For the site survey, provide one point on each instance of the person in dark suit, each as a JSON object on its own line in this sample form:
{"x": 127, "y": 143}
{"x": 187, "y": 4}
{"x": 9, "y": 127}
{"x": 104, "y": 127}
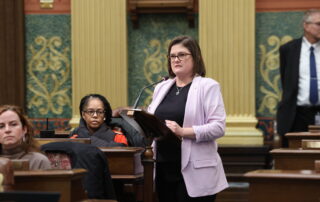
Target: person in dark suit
{"x": 300, "y": 103}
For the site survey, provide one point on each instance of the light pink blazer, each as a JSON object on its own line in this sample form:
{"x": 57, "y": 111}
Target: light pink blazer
{"x": 201, "y": 164}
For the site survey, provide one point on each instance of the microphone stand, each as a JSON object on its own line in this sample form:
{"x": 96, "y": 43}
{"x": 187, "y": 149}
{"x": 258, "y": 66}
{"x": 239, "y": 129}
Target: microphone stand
{"x": 140, "y": 93}
{"x": 47, "y": 133}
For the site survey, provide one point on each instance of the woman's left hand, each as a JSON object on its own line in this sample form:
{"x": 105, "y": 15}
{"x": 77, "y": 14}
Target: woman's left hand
{"x": 175, "y": 128}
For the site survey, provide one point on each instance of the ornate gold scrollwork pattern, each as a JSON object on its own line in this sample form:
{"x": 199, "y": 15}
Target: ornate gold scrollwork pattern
{"x": 154, "y": 64}
{"x": 269, "y": 71}
{"x": 49, "y": 70}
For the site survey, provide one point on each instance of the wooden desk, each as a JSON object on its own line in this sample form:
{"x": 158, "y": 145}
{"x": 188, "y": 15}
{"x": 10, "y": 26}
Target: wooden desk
{"x": 311, "y": 144}
{"x": 239, "y": 159}
{"x": 283, "y": 186}
{"x": 296, "y": 138}
{"x": 124, "y": 162}
{"x": 294, "y": 159}
{"x": 67, "y": 182}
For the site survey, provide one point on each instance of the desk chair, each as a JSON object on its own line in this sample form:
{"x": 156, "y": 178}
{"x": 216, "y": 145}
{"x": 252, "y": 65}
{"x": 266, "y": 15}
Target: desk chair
{"x": 97, "y": 182}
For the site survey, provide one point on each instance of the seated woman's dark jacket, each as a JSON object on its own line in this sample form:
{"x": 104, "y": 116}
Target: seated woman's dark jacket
{"x": 97, "y": 181}
{"x": 103, "y": 137}
{"x": 135, "y": 139}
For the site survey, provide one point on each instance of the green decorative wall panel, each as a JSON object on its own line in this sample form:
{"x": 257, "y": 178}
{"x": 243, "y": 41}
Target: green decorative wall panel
{"x": 48, "y": 66}
{"x": 147, "y": 50}
{"x": 272, "y": 30}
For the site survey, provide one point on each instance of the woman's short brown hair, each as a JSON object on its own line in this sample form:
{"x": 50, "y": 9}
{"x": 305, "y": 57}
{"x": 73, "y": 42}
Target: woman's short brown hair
{"x": 29, "y": 143}
{"x": 192, "y": 45}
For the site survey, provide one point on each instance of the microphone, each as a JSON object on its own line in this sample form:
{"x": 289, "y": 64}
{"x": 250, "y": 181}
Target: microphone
{"x": 47, "y": 133}
{"x": 138, "y": 98}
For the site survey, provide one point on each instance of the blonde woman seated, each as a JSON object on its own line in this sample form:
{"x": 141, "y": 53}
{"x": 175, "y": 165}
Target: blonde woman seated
{"x": 16, "y": 138}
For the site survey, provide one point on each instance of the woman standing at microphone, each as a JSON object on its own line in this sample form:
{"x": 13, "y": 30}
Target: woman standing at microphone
{"x": 188, "y": 166}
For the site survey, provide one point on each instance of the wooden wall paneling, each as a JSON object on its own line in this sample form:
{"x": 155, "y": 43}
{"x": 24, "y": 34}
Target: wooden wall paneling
{"x": 12, "y": 74}
{"x": 188, "y": 7}
{"x": 59, "y": 7}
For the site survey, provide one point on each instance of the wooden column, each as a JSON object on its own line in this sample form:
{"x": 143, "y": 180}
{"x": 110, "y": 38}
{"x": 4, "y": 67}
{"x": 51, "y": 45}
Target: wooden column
{"x": 227, "y": 39}
{"x": 99, "y": 51}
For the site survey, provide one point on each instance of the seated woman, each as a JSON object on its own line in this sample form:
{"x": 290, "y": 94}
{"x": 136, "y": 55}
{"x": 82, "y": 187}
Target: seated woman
{"x": 96, "y": 115}
{"x": 16, "y": 138}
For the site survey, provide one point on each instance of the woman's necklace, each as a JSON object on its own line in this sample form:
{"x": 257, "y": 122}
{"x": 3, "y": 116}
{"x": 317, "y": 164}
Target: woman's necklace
{"x": 179, "y": 90}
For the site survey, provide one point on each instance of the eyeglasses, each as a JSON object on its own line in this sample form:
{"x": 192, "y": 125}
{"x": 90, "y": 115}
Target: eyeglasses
{"x": 91, "y": 112}
{"x": 180, "y": 56}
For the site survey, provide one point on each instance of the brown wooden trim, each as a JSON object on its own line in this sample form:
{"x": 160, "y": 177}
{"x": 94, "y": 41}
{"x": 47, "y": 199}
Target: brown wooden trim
{"x": 59, "y": 7}
{"x": 20, "y": 37}
{"x": 285, "y": 5}
{"x": 137, "y": 7}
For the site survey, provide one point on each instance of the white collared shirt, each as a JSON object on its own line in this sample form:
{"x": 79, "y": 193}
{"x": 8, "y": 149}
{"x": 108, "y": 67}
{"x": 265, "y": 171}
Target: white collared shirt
{"x": 304, "y": 72}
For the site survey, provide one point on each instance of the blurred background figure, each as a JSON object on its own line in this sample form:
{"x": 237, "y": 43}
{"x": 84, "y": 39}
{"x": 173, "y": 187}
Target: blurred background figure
{"x": 299, "y": 70}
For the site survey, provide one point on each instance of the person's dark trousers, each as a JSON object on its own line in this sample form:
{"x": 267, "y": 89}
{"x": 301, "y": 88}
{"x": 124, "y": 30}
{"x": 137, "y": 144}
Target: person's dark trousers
{"x": 169, "y": 190}
{"x": 305, "y": 116}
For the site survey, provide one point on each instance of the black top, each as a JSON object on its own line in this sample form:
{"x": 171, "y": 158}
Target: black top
{"x": 172, "y": 108}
